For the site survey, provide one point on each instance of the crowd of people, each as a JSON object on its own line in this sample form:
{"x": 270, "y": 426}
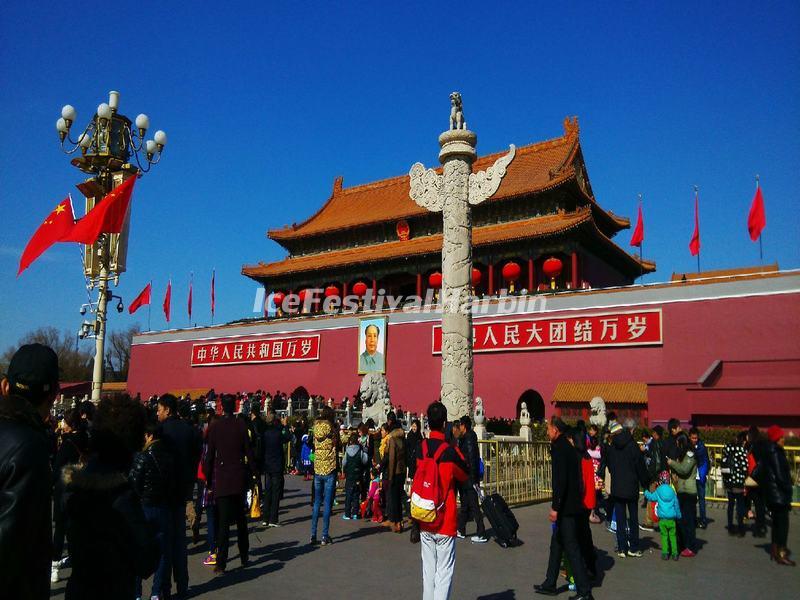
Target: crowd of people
{"x": 599, "y": 474}
{"x": 119, "y": 486}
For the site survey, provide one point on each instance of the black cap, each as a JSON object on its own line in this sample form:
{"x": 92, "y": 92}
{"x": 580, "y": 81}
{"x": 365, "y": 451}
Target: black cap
{"x": 33, "y": 370}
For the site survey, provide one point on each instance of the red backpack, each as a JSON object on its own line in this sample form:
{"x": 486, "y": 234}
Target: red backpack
{"x": 427, "y": 496}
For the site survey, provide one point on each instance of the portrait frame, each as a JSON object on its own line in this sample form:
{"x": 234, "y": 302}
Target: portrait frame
{"x": 361, "y": 345}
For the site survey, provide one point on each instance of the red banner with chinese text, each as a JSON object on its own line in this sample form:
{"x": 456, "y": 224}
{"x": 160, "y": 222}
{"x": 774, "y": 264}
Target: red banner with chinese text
{"x": 287, "y": 349}
{"x": 637, "y": 328}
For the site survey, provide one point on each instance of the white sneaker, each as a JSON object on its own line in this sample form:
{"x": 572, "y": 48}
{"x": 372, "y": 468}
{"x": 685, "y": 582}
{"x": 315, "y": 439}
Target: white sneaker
{"x": 54, "y": 574}
{"x": 460, "y": 535}
{"x": 479, "y": 539}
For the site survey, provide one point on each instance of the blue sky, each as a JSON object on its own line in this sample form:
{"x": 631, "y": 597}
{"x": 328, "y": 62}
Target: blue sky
{"x": 265, "y": 103}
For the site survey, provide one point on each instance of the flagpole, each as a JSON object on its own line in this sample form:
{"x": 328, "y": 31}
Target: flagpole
{"x": 149, "y": 304}
{"x": 641, "y": 251}
{"x": 697, "y": 208}
{"x": 761, "y": 233}
{"x": 213, "y": 292}
{"x": 191, "y": 295}
{"x": 80, "y": 251}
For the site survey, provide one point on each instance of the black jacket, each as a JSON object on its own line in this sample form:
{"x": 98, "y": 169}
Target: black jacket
{"x": 110, "y": 542}
{"x": 626, "y": 464}
{"x": 273, "y": 457}
{"x": 25, "y": 484}
{"x": 468, "y": 444}
{"x": 256, "y": 429}
{"x": 774, "y": 477}
{"x": 655, "y": 459}
{"x": 567, "y": 478}
{"x": 413, "y": 439}
{"x": 73, "y": 448}
{"x": 669, "y": 450}
{"x": 186, "y": 444}
{"x": 153, "y": 475}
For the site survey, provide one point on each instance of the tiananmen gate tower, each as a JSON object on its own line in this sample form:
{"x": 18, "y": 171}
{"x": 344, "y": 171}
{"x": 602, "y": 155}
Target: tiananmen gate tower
{"x": 558, "y": 318}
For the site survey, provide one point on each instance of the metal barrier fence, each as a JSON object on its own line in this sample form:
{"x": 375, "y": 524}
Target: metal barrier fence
{"x": 518, "y": 471}
{"x": 715, "y": 489}
{"x": 521, "y": 471}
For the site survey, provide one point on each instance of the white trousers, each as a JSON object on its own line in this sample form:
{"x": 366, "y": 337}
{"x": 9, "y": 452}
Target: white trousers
{"x": 438, "y": 564}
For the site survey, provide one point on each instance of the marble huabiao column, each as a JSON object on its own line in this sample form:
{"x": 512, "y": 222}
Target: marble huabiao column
{"x": 452, "y": 193}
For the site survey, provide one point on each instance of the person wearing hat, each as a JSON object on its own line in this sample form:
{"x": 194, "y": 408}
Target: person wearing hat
{"x": 28, "y": 391}
{"x": 625, "y": 462}
{"x": 775, "y": 481}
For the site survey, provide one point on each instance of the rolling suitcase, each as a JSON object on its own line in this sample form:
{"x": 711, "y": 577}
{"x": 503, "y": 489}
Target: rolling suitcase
{"x": 501, "y": 519}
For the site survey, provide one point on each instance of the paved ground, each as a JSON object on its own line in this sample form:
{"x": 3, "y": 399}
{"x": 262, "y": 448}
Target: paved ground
{"x": 367, "y": 561}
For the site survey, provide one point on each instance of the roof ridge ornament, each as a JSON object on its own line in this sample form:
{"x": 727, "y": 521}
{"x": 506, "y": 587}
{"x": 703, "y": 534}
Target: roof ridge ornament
{"x": 571, "y": 125}
{"x": 337, "y": 184}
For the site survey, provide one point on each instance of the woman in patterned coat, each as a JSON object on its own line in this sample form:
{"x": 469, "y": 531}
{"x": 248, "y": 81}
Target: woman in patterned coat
{"x": 734, "y": 472}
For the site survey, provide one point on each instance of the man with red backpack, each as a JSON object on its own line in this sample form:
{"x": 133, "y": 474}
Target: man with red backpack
{"x": 440, "y": 467}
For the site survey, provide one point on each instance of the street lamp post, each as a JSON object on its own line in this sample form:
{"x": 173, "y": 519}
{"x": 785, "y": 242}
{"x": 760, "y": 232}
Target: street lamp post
{"x": 107, "y": 144}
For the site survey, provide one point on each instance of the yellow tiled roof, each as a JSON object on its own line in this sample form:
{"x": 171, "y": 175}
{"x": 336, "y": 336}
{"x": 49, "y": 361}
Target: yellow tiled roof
{"x": 612, "y": 392}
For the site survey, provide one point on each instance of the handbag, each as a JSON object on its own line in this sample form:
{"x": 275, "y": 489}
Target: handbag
{"x": 752, "y": 479}
{"x": 750, "y": 482}
{"x": 255, "y": 504}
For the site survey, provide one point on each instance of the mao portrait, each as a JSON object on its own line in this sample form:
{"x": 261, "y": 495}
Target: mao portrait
{"x": 372, "y": 345}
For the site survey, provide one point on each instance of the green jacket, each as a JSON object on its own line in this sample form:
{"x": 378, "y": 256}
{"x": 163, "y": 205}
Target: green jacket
{"x": 685, "y": 474}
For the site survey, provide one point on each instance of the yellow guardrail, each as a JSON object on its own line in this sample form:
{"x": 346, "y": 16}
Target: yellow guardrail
{"x": 521, "y": 472}
{"x": 518, "y": 471}
{"x": 716, "y": 491}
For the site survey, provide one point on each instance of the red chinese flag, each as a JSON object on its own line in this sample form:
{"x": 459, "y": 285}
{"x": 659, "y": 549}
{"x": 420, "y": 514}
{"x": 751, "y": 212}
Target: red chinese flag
{"x": 213, "y": 299}
{"x": 757, "y": 219}
{"x": 638, "y": 232}
{"x": 694, "y": 245}
{"x": 143, "y": 299}
{"x": 190, "y": 300}
{"x": 108, "y": 215}
{"x": 57, "y": 224}
{"x": 167, "y": 299}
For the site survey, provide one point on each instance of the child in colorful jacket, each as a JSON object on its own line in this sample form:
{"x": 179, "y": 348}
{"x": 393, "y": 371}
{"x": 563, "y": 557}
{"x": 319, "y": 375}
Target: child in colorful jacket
{"x": 668, "y": 511}
{"x": 373, "y": 500}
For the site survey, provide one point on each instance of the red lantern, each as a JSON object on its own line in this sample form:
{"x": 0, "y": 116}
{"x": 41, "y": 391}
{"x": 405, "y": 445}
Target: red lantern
{"x": 302, "y": 295}
{"x": 277, "y": 299}
{"x": 435, "y": 280}
{"x": 360, "y": 288}
{"x": 511, "y": 271}
{"x": 331, "y": 290}
{"x": 476, "y": 277}
{"x": 552, "y": 267}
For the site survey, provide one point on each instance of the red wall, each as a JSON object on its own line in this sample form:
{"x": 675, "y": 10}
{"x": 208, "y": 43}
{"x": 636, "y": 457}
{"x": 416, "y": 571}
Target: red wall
{"x": 762, "y": 328}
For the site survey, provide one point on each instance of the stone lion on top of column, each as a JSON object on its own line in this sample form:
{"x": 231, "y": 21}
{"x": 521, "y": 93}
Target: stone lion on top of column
{"x": 456, "y": 112}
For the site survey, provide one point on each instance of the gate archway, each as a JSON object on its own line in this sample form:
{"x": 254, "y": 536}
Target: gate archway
{"x": 535, "y": 403}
